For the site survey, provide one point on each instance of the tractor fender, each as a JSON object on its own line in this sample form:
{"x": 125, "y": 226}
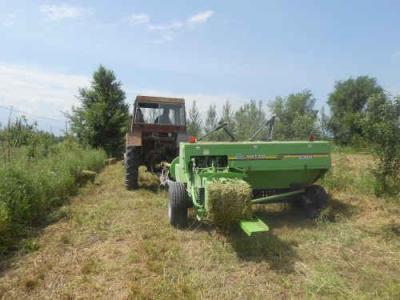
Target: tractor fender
{"x": 172, "y": 171}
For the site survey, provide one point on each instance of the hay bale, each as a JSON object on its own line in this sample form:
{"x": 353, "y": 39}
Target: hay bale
{"x": 85, "y": 176}
{"x": 147, "y": 179}
{"x": 110, "y": 161}
{"x": 228, "y": 201}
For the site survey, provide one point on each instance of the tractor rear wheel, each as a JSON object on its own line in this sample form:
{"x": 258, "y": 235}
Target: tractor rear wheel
{"x": 132, "y": 162}
{"x": 177, "y": 204}
{"x": 314, "y": 200}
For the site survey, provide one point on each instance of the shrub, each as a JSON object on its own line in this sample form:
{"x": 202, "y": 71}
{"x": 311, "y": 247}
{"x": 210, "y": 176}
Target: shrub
{"x": 382, "y": 127}
{"x": 30, "y": 187}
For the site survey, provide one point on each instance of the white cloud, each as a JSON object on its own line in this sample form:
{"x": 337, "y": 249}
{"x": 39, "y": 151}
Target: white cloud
{"x": 396, "y": 56}
{"x": 166, "y": 27}
{"x": 201, "y": 17}
{"x": 64, "y": 11}
{"x": 7, "y": 20}
{"x": 167, "y": 31}
{"x": 39, "y": 92}
{"x": 139, "y": 19}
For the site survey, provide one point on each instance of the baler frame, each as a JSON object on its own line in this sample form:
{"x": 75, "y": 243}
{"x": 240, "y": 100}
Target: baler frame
{"x": 286, "y": 169}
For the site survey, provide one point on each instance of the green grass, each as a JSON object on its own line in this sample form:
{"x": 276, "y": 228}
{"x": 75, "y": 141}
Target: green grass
{"x": 351, "y": 173}
{"x": 118, "y": 244}
{"x": 31, "y": 187}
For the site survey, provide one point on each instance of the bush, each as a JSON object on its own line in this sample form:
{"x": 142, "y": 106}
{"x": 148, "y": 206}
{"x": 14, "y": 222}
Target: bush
{"x": 382, "y": 127}
{"x": 30, "y": 187}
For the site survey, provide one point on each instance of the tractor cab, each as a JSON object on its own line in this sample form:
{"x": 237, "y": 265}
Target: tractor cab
{"x": 159, "y": 113}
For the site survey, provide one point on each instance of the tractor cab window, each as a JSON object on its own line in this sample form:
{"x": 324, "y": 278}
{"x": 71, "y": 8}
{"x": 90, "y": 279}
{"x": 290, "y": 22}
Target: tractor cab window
{"x": 163, "y": 114}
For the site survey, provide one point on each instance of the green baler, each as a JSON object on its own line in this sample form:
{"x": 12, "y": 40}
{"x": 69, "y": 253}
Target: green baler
{"x": 275, "y": 171}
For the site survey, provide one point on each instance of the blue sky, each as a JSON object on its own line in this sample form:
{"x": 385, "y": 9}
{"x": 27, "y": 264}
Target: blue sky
{"x": 208, "y": 51}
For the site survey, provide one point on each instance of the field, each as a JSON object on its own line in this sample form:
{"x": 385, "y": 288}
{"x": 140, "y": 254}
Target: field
{"x": 115, "y": 244}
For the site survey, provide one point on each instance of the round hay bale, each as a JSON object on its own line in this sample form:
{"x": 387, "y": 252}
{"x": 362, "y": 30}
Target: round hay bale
{"x": 228, "y": 201}
{"x": 147, "y": 179}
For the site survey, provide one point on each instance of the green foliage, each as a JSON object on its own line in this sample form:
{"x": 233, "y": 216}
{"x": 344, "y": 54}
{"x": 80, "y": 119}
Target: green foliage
{"x": 102, "y": 118}
{"x": 248, "y": 118}
{"x": 381, "y": 126}
{"x": 22, "y": 133}
{"x": 296, "y": 116}
{"x": 324, "y": 124}
{"x": 228, "y": 116}
{"x": 211, "y": 118}
{"x": 194, "y": 121}
{"x": 348, "y": 103}
{"x": 350, "y": 172}
{"x": 31, "y": 187}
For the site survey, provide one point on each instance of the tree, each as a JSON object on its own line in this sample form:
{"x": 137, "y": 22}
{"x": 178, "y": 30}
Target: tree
{"x": 381, "y": 127}
{"x": 296, "y": 116}
{"x": 101, "y": 120}
{"x": 194, "y": 122}
{"x": 324, "y": 124}
{"x": 248, "y": 119}
{"x": 211, "y": 118}
{"x": 228, "y": 116}
{"x": 348, "y": 103}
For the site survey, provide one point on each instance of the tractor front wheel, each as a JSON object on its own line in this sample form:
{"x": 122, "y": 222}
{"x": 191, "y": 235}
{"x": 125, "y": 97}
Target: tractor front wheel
{"x": 132, "y": 162}
{"x": 177, "y": 204}
{"x": 314, "y": 200}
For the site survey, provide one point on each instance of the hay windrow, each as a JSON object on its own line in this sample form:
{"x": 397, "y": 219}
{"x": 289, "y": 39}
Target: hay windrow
{"x": 228, "y": 201}
{"x": 147, "y": 179}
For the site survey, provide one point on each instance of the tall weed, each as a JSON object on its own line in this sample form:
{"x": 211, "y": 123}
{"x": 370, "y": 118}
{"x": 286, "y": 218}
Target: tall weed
{"x": 31, "y": 185}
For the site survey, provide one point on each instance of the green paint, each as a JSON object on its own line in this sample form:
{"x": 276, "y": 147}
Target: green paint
{"x": 253, "y": 226}
{"x": 263, "y": 165}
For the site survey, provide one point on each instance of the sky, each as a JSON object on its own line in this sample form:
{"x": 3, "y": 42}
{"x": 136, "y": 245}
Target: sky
{"x": 208, "y": 51}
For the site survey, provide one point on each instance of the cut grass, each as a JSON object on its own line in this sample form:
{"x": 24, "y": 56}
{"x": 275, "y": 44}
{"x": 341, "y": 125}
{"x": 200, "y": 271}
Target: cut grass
{"x": 113, "y": 243}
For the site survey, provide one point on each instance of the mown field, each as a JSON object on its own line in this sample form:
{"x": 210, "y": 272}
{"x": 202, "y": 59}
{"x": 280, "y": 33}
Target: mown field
{"x": 111, "y": 243}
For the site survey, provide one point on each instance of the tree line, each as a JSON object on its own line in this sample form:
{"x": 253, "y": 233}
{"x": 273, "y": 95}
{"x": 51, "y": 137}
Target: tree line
{"x": 362, "y": 114}
{"x": 351, "y": 106}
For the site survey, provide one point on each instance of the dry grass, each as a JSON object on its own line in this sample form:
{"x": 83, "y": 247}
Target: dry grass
{"x": 116, "y": 244}
{"x": 147, "y": 179}
{"x": 228, "y": 202}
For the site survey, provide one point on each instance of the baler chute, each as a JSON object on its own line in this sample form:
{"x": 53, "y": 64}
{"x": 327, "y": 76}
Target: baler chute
{"x": 274, "y": 171}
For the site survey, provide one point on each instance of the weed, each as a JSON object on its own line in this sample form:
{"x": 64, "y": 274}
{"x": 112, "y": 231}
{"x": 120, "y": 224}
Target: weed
{"x": 30, "y": 283}
{"x": 30, "y": 188}
{"x": 31, "y": 245}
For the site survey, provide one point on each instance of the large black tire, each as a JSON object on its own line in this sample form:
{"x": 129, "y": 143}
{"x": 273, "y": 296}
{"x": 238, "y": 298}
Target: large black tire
{"x": 132, "y": 162}
{"x": 314, "y": 200}
{"x": 177, "y": 204}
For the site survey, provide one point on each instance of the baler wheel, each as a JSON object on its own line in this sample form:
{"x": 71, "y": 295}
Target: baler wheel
{"x": 177, "y": 204}
{"x": 132, "y": 162}
{"x": 314, "y": 200}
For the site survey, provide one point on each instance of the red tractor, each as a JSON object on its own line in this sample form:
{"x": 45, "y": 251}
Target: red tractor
{"x": 158, "y": 125}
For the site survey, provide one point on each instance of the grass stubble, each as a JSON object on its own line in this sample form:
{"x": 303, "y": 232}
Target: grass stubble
{"x": 113, "y": 243}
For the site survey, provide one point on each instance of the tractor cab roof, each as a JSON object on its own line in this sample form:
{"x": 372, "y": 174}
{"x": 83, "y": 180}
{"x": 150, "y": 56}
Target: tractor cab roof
{"x": 151, "y": 100}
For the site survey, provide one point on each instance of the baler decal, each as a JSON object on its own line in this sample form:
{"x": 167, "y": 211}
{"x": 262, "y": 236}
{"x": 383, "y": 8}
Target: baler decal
{"x": 276, "y": 157}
